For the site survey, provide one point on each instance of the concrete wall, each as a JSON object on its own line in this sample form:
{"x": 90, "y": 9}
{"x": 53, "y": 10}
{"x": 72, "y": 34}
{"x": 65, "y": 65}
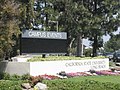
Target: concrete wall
{"x": 19, "y": 68}
{"x": 53, "y": 67}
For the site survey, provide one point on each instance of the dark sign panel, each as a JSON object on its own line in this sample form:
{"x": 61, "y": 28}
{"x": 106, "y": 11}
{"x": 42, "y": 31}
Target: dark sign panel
{"x": 43, "y": 42}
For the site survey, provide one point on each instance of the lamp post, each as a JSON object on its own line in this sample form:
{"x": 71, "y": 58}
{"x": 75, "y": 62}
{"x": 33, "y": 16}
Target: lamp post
{"x": 57, "y": 26}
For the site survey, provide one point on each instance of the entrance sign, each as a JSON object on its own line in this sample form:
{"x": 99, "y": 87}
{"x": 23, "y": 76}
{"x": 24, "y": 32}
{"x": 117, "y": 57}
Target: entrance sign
{"x": 33, "y": 41}
{"x": 54, "y": 67}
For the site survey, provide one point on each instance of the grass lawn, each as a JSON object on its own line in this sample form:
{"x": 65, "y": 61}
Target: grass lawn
{"x": 85, "y": 83}
{"x": 104, "y": 79}
{"x": 112, "y": 79}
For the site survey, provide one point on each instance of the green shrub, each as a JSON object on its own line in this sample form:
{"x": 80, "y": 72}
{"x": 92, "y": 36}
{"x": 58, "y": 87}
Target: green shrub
{"x": 15, "y": 77}
{"x": 6, "y": 76}
{"x": 12, "y": 82}
{"x": 25, "y": 77}
{"x": 10, "y": 85}
{"x": 88, "y": 52}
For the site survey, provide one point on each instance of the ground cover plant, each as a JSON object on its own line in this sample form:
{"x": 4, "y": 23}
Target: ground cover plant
{"x": 54, "y": 58}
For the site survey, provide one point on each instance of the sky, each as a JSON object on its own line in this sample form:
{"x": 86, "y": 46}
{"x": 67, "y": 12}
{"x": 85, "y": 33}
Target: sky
{"x": 86, "y": 42}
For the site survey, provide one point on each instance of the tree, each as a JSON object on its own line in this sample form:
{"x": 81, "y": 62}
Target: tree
{"x": 92, "y": 19}
{"x": 26, "y": 14}
{"x": 73, "y": 19}
{"x": 113, "y": 44}
{"x": 105, "y": 19}
{"x": 45, "y": 15}
{"x": 9, "y": 26}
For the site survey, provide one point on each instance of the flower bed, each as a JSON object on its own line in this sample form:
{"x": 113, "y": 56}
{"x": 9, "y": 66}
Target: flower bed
{"x": 103, "y": 72}
{"x": 107, "y": 73}
{"x": 49, "y": 77}
{"x": 74, "y": 74}
{"x": 77, "y": 74}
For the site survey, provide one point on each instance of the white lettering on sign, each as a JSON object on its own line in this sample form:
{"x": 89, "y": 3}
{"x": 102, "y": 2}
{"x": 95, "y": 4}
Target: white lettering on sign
{"x": 37, "y": 34}
{"x": 98, "y": 67}
{"x": 54, "y": 35}
{"x": 73, "y": 64}
{"x": 45, "y": 34}
{"x": 93, "y": 64}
